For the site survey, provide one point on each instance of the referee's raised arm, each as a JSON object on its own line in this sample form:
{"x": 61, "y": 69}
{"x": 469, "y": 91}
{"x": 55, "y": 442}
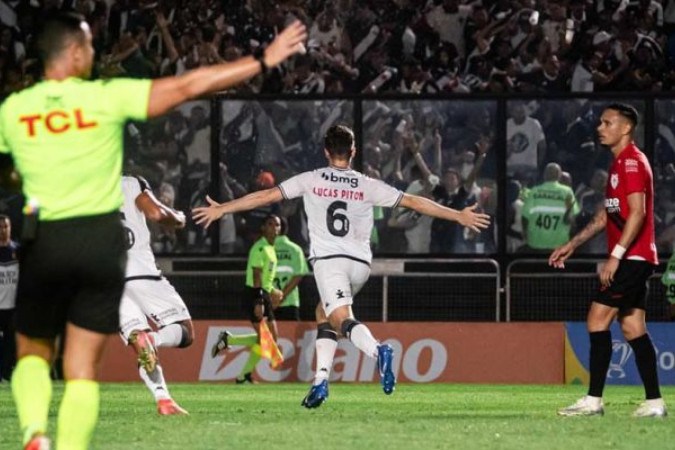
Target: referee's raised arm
{"x": 169, "y": 92}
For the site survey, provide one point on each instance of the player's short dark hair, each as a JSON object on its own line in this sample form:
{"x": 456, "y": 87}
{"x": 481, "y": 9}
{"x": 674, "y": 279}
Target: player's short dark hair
{"x": 4, "y": 217}
{"x": 56, "y": 32}
{"x": 627, "y": 111}
{"x": 339, "y": 141}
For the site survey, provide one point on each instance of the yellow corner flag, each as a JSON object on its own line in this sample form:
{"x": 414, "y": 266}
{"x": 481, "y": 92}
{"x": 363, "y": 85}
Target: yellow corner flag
{"x": 268, "y": 347}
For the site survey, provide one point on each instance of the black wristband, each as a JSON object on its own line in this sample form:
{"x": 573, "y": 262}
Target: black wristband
{"x": 259, "y": 55}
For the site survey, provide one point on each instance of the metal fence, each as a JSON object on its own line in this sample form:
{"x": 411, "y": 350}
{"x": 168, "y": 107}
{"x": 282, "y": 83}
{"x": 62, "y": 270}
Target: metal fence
{"x": 536, "y": 292}
{"x": 398, "y": 290}
{"x": 422, "y": 290}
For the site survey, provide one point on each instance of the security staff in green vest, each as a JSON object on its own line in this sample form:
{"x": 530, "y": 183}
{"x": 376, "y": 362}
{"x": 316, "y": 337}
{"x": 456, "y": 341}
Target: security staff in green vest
{"x": 291, "y": 267}
{"x": 548, "y": 212}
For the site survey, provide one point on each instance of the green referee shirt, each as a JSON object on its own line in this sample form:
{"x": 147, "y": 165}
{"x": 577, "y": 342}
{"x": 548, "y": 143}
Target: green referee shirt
{"x": 668, "y": 279}
{"x": 292, "y": 263}
{"x": 262, "y": 256}
{"x": 544, "y": 208}
{"x": 66, "y": 141}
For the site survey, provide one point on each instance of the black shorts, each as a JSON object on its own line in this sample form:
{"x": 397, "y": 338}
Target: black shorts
{"x": 72, "y": 272}
{"x": 629, "y": 288}
{"x": 287, "y": 313}
{"x": 252, "y": 298}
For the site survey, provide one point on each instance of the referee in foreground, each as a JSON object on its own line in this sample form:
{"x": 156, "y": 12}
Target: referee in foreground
{"x": 65, "y": 136}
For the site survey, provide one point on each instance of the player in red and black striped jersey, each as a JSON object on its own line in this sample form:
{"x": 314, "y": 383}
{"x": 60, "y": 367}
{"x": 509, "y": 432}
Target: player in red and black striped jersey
{"x": 628, "y": 216}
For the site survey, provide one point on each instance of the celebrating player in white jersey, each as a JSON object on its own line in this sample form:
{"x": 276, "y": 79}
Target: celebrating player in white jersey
{"x": 148, "y": 294}
{"x": 339, "y": 205}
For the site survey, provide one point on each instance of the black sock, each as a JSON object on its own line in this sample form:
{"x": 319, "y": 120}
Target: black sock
{"x": 645, "y": 358}
{"x": 601, "y": 354}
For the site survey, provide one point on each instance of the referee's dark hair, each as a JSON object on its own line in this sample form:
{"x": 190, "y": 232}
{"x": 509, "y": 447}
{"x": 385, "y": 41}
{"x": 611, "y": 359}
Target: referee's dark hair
{"x": 57, "y": 31}
{"x": 339, "y": 141}
{"x": 627, "y": 111}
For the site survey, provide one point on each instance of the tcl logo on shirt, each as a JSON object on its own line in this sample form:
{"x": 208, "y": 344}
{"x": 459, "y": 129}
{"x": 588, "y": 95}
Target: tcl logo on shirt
{"x": 56, "y": 122}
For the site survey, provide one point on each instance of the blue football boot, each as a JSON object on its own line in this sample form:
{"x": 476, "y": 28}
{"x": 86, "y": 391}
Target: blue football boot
{"x": 317, "y": 394}
{"x": 385, "y": 356}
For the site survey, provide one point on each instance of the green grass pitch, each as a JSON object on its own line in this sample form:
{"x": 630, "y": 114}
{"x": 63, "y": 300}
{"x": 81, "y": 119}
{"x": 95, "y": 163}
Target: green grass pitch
{"x": 360, "y": 416}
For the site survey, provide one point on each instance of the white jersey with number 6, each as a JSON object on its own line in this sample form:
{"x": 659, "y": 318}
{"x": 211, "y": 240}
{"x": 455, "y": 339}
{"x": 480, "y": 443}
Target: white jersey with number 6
{"x": 339, "y": 206}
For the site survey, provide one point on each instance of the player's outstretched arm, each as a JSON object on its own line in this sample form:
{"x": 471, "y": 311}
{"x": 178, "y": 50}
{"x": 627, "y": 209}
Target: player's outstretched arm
{"x": 156, "y": 211}
{"x": 206, "y": 215}
{"x": 166, "y": 93}
{"x": 467, "y": 217}
{"x": 562, "y": 253}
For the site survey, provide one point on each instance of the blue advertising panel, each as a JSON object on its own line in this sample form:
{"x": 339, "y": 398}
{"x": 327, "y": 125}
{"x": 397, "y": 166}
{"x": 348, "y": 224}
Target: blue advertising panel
{"x": 622, "y": 369}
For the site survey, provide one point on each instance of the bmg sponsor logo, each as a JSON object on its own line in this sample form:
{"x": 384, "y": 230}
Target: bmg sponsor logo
{"x": 353, "y": 182}
{"x": 423, "y": 361}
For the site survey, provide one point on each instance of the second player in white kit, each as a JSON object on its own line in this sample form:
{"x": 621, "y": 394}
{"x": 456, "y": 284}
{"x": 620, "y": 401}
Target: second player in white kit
{"x": 147, "y": 294}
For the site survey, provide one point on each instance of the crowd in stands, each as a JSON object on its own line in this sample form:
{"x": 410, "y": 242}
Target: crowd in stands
{"x": 443, "y": 150}
{"x": 407, "y": 46}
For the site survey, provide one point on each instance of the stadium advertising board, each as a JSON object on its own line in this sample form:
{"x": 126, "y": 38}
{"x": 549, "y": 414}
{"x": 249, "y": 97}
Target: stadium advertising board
{"x": 424, "y": 352}
{"x": 622, "y": 369}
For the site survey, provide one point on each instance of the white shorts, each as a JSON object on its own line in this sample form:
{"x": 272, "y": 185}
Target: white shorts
{"x": 338, "y": 281}
{"x": 155, "y": 299}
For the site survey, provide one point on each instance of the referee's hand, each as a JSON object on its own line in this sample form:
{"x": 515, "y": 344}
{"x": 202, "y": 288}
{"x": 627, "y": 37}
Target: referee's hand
{"x": 288, "y": 42}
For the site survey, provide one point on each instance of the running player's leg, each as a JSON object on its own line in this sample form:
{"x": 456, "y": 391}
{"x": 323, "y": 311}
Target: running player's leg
{"x": 136, "y": 332}
{"x": 325, "y": 345}
{"x": 178, "y": 334}
{"x": 338, "y": 280}
{"x": 135, "y": 329}
{"x": 160, "y": 301}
